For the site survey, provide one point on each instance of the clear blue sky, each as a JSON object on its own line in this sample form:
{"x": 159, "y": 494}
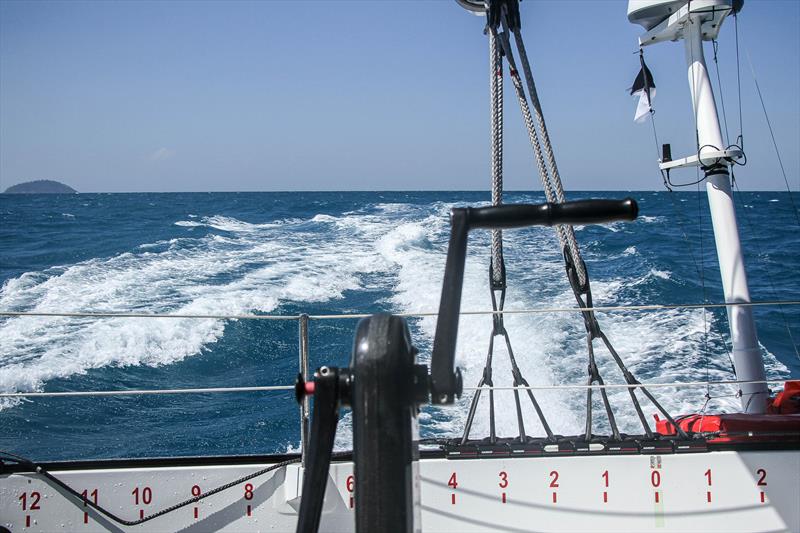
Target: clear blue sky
{"x": 207, "y": 96}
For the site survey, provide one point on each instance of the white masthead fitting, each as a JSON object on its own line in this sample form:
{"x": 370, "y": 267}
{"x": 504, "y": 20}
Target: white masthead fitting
{"x": 664, "y": 19}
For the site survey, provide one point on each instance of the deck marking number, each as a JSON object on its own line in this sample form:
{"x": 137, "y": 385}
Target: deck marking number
{"x": 35, "y": 497}
{"x": 503, "y": 480}
{"x": 452, "y": 482}
{"x": 350, "y": 485}
{"x": 86, "y": 496}
{"x": 762, "y": 482}
{"x": 708, "y": 478}
{"x": 655, "y": 478}
{"x": 554, "y": 484}
{"x": 503, "y": 483}
{"x": 146, "y": 495}
{"x": 604, "y": 475}
{"x": 196, "y": 492}
{"x": 248, "y": 495}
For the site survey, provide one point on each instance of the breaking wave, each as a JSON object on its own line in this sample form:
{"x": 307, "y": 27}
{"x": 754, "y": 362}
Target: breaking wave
{"x": 222, "y": 265}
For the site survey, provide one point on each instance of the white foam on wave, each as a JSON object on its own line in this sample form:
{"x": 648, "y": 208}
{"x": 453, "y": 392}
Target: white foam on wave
{"x": 418, "y": 249}
{"x": 670, "y": 345}
{"x": 630, "y": 250}
{"x": 261, "y": 267}
{"x": 290, "y": 260}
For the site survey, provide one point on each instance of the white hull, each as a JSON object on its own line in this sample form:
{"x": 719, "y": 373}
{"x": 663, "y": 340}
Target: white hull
{"x": 748, "y": 491}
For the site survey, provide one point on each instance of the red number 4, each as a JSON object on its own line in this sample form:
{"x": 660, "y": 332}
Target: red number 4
{"x": 453, "y": 483}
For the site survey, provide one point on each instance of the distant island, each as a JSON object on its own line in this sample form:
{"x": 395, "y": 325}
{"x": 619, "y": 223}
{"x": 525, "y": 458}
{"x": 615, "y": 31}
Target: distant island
{"x": 40, "y": 187}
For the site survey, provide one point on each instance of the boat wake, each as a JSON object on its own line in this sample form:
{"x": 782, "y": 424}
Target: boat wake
{"x": 221, "y": 265}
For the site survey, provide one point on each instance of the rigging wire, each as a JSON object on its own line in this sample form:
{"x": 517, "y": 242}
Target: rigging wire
{"x": 773, "y": 290}
{"x": 772, "y": 136}
{"x": 420, "y": 314}
{"x": 737, "y": 196}
{"x": 143, "y": 392}
{"x": 582, "y": 386}
{"x": 715, "y": 45}
{"x": 740, "y": 139}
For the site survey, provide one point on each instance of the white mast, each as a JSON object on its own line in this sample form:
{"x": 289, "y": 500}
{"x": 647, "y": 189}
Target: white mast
{"x": 695, "y": 21}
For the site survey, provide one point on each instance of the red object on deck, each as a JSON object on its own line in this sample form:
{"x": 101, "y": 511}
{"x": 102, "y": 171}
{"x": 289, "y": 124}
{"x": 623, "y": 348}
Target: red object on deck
{"x": 781, "y": 423}
{"x": 787, "y": 401}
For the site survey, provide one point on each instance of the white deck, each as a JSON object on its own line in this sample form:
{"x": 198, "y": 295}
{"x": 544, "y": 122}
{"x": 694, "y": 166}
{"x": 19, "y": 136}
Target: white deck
{"x": 746, "y": 491}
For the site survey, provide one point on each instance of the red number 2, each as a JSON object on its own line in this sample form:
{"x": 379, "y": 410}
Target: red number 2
{"x": 554, "y": 482}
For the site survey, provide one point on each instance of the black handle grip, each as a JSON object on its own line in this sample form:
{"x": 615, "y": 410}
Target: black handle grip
{"x": 320, "y": 448}
{"x": 445, "y": 378}
{"x": 578, "y": 212}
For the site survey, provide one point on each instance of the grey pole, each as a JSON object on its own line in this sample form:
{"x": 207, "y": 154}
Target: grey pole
{"x": 303, "y": 367}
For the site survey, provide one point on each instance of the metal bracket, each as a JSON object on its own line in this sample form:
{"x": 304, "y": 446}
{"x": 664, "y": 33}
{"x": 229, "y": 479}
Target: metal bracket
{"x": 706, "y": 158}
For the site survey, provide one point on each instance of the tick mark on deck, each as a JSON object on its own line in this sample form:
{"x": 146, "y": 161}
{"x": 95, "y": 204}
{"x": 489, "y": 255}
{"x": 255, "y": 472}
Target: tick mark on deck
{"x": 28, "y": 520}
{"x": 605, "y": 497}
{"x": 195, "y": 513}
{"x": 453, "y": 499}
{"x": 352, "y": 502}
{"x": 657, "y": 497}
{"x": 249, "y": 511}
{"x": 85, "y": 518}
{"x": 555, "y": 497}
{"x": 708, "y": 496}
{"x": 762, "y": 497}
{"x": 504, "y": 497}
{"x": 141, "y": 514}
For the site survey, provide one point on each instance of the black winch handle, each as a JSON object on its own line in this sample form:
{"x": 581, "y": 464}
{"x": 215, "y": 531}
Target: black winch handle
{"x": 578, "y": 212}
{"x": 320, "y": 445}
{"x": 445, "y": 378}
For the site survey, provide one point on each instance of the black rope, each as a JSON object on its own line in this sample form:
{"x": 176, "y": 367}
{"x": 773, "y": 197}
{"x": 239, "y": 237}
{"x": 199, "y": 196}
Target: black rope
{"x": 81, "y": 501}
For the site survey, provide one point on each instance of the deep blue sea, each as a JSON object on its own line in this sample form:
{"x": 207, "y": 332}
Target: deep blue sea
{"x": 332, "y": 253}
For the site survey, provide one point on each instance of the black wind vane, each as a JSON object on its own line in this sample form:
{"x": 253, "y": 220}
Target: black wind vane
{"x": 645, "y": 88}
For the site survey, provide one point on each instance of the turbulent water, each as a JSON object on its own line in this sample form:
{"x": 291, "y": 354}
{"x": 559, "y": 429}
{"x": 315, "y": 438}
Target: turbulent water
{"x": 334, "y": 253}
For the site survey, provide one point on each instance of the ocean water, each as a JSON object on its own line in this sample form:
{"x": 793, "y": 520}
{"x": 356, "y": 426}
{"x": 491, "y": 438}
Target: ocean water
{"x": 339, "y": 253}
